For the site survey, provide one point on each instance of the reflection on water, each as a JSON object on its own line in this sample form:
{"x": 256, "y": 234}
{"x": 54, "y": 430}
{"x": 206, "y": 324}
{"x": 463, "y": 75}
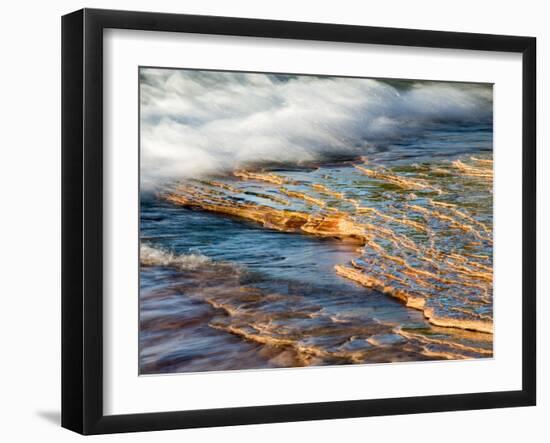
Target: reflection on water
{"x": 385, "y": 258}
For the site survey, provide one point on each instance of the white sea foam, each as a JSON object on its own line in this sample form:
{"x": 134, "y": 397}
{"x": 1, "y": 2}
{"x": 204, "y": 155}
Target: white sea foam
{"x": 152, "y": 256}
{"x": 198, "y": 122}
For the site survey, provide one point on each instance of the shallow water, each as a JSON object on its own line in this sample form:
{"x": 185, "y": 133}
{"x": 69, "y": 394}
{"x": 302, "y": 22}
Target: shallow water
{"x": 230, "y": 281}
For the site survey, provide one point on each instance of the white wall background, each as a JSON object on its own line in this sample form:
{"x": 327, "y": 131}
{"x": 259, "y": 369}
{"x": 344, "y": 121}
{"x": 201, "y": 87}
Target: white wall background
{"x": 30, "y": 218}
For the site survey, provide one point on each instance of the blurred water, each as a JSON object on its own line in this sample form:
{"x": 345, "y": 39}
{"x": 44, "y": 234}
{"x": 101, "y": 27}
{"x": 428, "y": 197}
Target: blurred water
{"x": 220, "y": 293}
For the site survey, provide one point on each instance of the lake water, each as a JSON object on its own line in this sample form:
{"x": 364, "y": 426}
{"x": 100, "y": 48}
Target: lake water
{"x": 376, "y": 259}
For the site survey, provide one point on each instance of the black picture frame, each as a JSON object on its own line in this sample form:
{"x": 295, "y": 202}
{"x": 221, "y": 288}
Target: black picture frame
{"x": 82, "y": 220}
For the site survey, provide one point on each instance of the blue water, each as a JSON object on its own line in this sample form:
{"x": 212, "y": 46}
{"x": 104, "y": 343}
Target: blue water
{"x": 261, "y": 298}
{"x": 272, "y": 261}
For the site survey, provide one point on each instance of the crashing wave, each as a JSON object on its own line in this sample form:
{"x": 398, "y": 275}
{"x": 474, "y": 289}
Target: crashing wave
{"x": 153, "y": 256}
{"x": 195, "y": 123}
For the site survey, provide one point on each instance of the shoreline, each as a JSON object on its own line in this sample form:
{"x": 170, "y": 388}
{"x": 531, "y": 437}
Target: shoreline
{"x": 327, "y": 222}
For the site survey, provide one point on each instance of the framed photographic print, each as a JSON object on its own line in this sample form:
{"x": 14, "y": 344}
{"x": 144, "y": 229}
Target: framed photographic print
{"x": 269, "y": 221}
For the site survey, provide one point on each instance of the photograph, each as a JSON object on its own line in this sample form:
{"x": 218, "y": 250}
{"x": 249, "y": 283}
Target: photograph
{"x": 290, "y": 220}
